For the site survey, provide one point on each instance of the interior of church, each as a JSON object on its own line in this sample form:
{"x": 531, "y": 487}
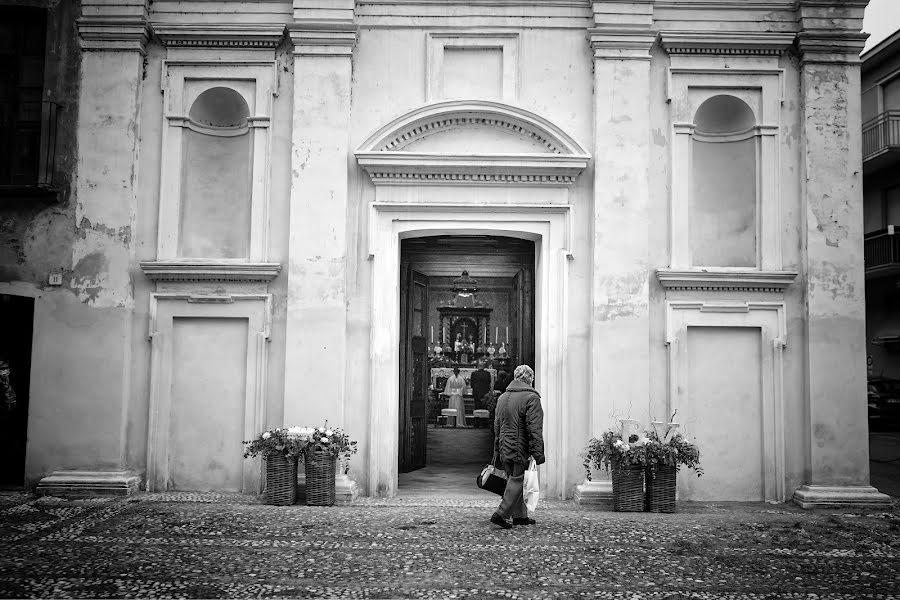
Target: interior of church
{"x": 467, "y": 320}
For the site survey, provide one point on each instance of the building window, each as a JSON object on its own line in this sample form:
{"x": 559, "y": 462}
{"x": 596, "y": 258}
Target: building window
{"x": 27, "y": 123}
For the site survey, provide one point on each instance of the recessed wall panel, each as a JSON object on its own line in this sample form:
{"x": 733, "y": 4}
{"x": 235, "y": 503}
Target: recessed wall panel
{"x": 723, "y": 412}
{"x": 209, "y": 357}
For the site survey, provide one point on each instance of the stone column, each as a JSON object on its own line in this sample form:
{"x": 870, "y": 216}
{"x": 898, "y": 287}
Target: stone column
{"x": 620, "y": 372}
{"x": 113, "y": 39}
{"x": 316, "y": 357}
{"x": 835, "y": 374}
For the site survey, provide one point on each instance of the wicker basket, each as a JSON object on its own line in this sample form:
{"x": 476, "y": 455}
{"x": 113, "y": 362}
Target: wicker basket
{"x": 661, "y": 490}
{"x": 628, "y": 489}
{"x": 320, "y": 471}
{"x": 281, "y": 480}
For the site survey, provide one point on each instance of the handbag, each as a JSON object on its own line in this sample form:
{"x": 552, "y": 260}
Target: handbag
{"x": 492, "y": 479}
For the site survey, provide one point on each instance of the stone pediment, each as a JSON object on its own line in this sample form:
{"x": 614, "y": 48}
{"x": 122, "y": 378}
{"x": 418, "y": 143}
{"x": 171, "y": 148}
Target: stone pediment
{"x": 472, "y": 142}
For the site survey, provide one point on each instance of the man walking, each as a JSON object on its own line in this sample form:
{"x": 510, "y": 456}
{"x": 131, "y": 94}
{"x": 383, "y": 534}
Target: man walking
{"x": 518, "y": 435}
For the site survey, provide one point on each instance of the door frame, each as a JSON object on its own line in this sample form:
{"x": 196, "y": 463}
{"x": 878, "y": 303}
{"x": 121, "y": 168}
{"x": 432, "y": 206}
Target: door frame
{"x": 549, "y": 226}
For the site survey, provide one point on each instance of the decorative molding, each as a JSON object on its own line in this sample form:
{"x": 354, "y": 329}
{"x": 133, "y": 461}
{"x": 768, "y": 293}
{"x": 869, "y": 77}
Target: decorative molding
{"x": 220, "y": 35}
{"x": 770, "y": 319}
{"x": 382, "y": 157}
{"x": 439, "y": 41}
{"x": 323, "y": 38}
{"x": 727, "y": 43}
{"x": 511, "y": 169}
{"x": 129, "y": 35}
{"x": 407, "y": 136}
{"x": 720, "y": 281}
{"x": 208, "y": 271}
{"x": 838, "y": 47}
{"x": 256, "y": 310}
{"x": 621, "y": 44}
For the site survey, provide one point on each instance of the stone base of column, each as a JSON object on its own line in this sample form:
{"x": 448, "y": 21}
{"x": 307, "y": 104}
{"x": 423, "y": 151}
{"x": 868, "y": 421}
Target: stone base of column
{"x": 86, "y": 484}
{"x": 833, "y": 496}
{"x": 346, "y": 490}
{"x": 594, "y": 493}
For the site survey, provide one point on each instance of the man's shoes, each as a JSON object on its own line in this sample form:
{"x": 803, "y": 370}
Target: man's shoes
{"x": 523, "y": 521}
{"x": 498, "y": 520}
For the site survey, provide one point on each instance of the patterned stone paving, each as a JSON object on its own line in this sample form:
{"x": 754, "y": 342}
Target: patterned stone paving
{"x": 202, "y": 545}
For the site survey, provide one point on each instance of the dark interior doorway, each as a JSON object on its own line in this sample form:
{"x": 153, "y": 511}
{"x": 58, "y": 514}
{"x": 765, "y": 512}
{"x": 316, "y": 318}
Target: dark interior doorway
{"x": 16, "y": 321}
{"x": 465, "y": 301}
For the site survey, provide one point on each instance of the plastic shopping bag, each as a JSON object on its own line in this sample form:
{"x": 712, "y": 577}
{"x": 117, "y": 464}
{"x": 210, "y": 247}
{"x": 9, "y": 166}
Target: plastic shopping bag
{"x": 531, "y": 490}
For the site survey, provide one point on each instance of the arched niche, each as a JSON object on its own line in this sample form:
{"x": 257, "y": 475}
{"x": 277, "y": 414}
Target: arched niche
{"x": 216, "y": 177}
{"x": 724, "y": 174}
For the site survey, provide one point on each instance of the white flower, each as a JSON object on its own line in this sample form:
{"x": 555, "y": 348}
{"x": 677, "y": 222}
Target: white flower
{"x": 266, "y": 435}
{"x": 321, "y": 430}
{"x": 324, "y": 440}
{"x": 295, "y": 430}
{"x": 641, "y": 441}
{"x": 618, "y": 444}
{"x": 329, "y": 432}
{"x": 626, "y": 447}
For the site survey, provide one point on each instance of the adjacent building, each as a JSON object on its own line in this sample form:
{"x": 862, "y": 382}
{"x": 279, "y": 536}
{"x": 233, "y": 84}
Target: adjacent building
{"x": 273, "y": 203}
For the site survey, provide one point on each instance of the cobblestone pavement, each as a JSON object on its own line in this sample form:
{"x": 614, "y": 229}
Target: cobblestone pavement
{"x": 182, "y": 545}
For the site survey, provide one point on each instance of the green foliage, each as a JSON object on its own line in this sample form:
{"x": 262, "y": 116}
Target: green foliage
{"x": 676, "y": 452}
{"x": 610, "y": 451}
{"x": 296, "y": 441}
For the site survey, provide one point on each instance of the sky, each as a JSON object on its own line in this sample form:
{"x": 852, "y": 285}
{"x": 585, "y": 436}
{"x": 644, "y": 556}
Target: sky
{"x": 881, "y": 20}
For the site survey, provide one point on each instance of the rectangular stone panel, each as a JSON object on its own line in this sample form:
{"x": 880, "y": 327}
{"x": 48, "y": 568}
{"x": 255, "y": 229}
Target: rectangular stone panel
{"x": 209, "y": 357}
{"x": 723, "y": 412}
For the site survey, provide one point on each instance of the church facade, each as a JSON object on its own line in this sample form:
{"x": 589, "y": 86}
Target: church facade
{"x": 682, "y": 178}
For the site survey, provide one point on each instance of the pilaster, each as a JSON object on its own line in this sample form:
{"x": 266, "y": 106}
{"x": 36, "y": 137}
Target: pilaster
{"x": 835, "y": 372}
{"x": 113, "y": 38}
{"x": 621, "y": 42}
{"x": 323, "y": 35}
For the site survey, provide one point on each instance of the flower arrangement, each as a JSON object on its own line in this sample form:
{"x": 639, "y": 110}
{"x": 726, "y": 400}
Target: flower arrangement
{"x": 297, "y": 441}
{"x": 331, "y": 440}
{"x": 281, "y": 440}
{"x": 672, "y": 451}
{"x": 611, "y": 451}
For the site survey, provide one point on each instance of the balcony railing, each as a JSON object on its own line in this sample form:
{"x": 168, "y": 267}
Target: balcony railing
{"x": 882, "y": 249}
{"x": 881, "y": 133}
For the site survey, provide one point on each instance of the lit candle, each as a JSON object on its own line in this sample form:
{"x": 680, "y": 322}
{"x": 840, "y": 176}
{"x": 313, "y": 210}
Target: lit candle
{"x": 484, "y": 337}
{"x": 496, "y": 334}
{"x": 507, "y": 334}
{"x": 432, "y": 334}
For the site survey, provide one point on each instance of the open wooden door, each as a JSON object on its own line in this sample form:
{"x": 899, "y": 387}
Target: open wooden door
{"x": 522, "y": 317}
{"x": 413, "y": 370}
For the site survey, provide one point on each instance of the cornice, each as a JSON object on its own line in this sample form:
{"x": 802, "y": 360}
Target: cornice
{"x": 743, "y": 281}
{"x": 621, "y": 43}
{"x": 220, "y": 35}
{"x": 130, "y": 34}
{"x": 744, "y": 43}
{"x": 209, "y": 271}
{"x": 323, "y": 37}
{"x": 841, "y": 47}
{"x": 403, "y": 168}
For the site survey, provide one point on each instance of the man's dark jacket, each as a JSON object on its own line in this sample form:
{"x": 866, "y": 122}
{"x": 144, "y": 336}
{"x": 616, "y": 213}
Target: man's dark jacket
{"x": 480, "y": 380}
{"x": 519, "y": 424}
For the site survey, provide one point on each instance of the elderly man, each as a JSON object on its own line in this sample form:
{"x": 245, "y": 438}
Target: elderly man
{"x": 518, "y": 435}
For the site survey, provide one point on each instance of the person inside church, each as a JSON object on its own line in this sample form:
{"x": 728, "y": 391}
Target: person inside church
{"x": 455, "y": 389}
{"x": 480, "y": 380}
